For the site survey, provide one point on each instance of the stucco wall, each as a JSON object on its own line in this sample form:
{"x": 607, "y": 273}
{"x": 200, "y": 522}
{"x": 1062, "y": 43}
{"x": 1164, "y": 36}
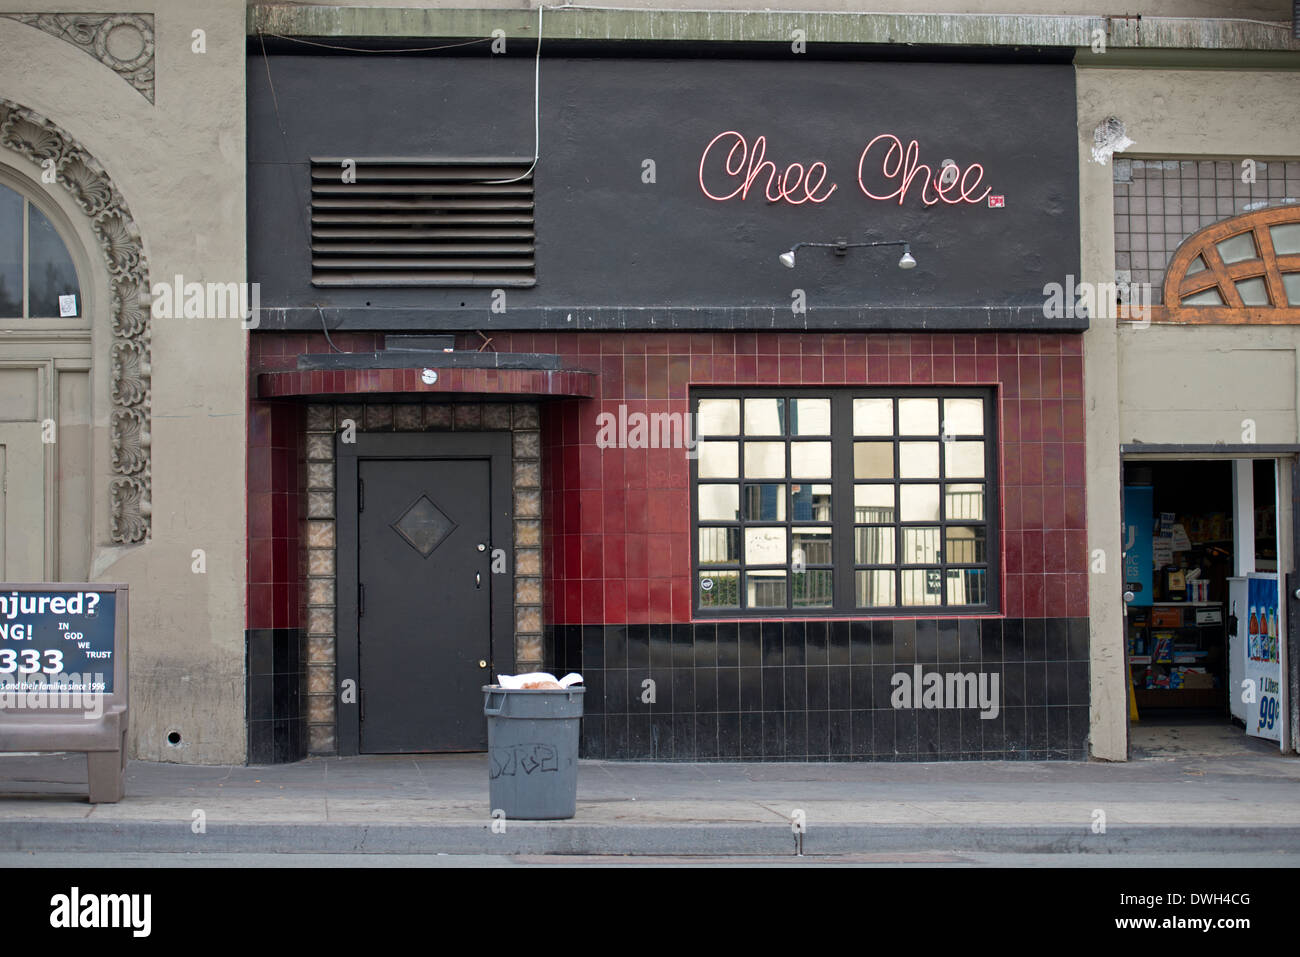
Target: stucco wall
{"x": 1170, "y": 384}
{"x": 179, "y": 165}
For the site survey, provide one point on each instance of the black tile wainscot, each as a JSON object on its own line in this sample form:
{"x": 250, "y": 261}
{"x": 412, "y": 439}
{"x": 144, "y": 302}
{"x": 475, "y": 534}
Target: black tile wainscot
{"x": 832, "y": 690}
{"x": 276, "y": 670}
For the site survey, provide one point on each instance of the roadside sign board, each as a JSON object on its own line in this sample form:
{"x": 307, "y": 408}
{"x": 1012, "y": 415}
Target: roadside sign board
{"x": 58, "y": 640}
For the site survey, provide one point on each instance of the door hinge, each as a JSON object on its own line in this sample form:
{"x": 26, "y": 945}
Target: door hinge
{"x": 361, "y": 599}
{"x": 361, "y": 495}
{"x": 363, "y": 705}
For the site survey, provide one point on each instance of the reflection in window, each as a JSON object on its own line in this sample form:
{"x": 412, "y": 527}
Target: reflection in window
{"x": 37, "y": 277}
{"x": 964, "y": 501}
{"x": 921, "y": 586}
{"x": 719, "y": 589}
{"x": 920, "y": 545}
{"x": 11, "y": 254}
{"x": 810, "y": 416}
{"x": 719, "y": 417}
{"x": 1291, "y": 283}
{"x": 717, "y": 459}
{"x": 1207, "y": 297}
{"x": 812, "y": 503}
{"x": 812, "y": 588}
{"x": 1286, "y": 239}
{"x": 764, "y": 416}
{"x": 1253, "y": 292}
{"x": 873, "y": 416}
{"x": 918, "y": 416}
{"x": 719, "y": 546}
{"x": 875, "y": 588}
{"x": 919, "y": 466}
{"x": 1237, "y": 249}
{"x": 719, "y": 503}
{"x": 765, "y": 589}
{"x": 966, "y": 545}
{"x": 765, "y": 503}
{"x": 874, "y": 545}
{"x": 764, "y": 460}
{"x": 967, "y": 586}
{"x": 812, "y": 546}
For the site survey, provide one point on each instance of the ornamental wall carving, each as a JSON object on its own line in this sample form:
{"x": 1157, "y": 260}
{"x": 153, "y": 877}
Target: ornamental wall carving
{"x": 123, "y": 42}
{"x": 52, "y": 149}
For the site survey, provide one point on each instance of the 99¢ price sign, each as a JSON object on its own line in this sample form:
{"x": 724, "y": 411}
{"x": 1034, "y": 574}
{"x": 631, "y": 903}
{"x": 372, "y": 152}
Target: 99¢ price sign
{"x": 57, "y": 641}
{"x": 1263, "y": 659}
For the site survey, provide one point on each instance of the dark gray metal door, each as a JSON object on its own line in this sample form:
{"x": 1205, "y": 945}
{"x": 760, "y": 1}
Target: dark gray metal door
{"x": 424, "y": 603}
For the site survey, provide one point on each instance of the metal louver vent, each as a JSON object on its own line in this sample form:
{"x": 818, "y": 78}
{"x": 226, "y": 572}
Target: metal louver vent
{"x": 420, "y": 222}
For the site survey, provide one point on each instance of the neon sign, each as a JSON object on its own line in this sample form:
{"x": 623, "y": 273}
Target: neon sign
{"x": 739, "y": 166}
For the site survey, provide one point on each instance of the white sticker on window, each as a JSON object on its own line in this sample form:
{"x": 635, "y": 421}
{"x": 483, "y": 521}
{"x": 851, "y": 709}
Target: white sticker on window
{"x": 67, "y": 306}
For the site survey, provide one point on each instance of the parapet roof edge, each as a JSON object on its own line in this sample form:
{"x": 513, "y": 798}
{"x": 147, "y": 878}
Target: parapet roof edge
{"x": 596, "y": 24}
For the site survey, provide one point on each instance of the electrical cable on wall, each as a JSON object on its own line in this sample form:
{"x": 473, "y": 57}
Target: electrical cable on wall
{"x": 537, "y": 110}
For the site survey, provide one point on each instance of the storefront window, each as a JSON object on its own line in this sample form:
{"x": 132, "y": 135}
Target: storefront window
{"x": 845, "y": 502}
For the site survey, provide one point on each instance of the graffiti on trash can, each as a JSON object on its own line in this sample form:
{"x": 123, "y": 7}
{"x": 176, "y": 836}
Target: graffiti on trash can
{"x": 526, "y": 757}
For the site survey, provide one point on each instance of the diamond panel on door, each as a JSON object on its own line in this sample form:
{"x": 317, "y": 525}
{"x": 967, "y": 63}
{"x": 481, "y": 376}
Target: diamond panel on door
{"x": 424, "y": 526}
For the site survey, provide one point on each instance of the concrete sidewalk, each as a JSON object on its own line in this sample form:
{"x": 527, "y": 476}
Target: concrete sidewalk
{"x": 1240, "y": 797}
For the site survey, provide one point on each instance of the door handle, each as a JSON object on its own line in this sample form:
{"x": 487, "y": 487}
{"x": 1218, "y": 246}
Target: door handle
{"x": 478, "y": 579}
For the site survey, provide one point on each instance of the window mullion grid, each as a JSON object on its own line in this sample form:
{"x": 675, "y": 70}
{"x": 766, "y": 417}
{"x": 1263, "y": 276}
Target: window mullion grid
{"x": 943, "y": 513}
{"x": 745, "y": 518}
{"x": 787, "y": 492}
{"x": 843, "y": 522}
{"x": 746, "y": 521}
{"x": 843, "y": 510}
{"x": 898, "y": 506}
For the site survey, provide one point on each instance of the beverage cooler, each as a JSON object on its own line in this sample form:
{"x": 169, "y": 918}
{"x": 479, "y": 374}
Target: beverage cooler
{"x": 1255, "y": 654}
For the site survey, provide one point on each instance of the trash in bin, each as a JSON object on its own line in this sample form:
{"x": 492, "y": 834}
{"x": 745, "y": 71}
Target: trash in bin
{"x": 533, "y": 746}
{"x": 538, "y": 680}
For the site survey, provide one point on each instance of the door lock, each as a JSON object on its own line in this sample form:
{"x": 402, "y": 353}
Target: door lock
{"x": 482, "y": 547}
{"x": 1129, "y": 596}
{"x": 482, "y": 663}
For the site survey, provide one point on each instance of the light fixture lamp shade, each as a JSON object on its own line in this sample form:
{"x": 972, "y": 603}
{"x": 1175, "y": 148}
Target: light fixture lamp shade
{"x": 787, "y": 259}
{"x": 907, "y": 261}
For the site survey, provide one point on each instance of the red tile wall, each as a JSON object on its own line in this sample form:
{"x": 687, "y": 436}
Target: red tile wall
{"x": 276, "y": 460}
{"x": 276, "y": 473}
{"x": 616, "y": 523}
{"x": 616, "y": 526}
{"x": 279, "y": 351}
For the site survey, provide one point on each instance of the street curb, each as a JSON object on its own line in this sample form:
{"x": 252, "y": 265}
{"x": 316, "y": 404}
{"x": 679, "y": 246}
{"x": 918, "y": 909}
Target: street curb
{"x": 551, "y": 837}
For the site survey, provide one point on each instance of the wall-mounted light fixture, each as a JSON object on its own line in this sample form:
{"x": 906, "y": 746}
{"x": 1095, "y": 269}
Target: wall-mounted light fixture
{"x": 843, "y": 246}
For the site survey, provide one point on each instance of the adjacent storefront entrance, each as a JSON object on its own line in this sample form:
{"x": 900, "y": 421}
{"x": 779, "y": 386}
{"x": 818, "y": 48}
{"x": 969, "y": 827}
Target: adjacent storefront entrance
{"x": 1206, "y": 613}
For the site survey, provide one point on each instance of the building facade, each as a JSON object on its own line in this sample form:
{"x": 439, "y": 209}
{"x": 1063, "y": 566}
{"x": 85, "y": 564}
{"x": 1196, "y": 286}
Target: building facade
{"x": 814, "y": 546}
{"x": 782, "y": 373}
{"x": 121, "y": 169}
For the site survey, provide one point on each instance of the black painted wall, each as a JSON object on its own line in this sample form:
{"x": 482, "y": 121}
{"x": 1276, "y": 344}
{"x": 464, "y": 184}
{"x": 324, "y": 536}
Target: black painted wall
{"x": 614, "y": 252}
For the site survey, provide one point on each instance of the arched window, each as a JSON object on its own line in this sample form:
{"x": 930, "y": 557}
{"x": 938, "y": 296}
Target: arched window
{"x": 1242, "y": 270}
{"x": 37, "y": 277}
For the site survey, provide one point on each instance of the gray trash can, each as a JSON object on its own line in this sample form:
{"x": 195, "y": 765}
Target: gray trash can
{"x": 533, "y": 751}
